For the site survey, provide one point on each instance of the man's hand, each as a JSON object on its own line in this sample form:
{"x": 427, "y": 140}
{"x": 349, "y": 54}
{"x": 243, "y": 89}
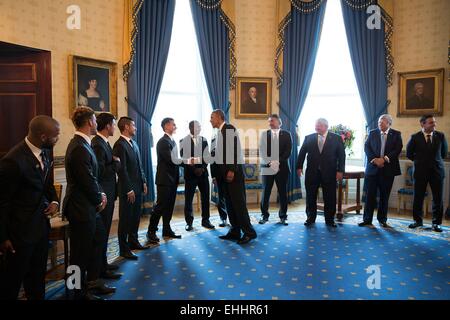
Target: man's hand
{"x": 6, "y": 246}
{"x": 116, "y": 158}
{"x": 51, "y": 210}
{"x": 379, "y": 162}
{"x": 145, "y": 189}
{"x": 214, "y": 181}
{"x": 339, "y": 176}
{"x": 104, "y": 202}
{"x": 299, "y": 172}
{"x": 230, "y": 176}
{"x": 131, "y": 197}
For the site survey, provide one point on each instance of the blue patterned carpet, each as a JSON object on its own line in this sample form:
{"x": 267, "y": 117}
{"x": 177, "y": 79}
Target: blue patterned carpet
{"x": 289, "y": 263}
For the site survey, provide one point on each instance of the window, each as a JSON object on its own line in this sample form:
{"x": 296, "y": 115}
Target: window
{"x": 183, "y": 94}
{"x": 333, "y": 93}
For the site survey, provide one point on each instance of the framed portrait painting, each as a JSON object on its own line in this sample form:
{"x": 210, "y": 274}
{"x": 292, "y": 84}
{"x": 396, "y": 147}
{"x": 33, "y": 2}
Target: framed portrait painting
{"x": 253, "y": 98}
{"x": 421, "y": 92}
{"x": 93, "y": 83}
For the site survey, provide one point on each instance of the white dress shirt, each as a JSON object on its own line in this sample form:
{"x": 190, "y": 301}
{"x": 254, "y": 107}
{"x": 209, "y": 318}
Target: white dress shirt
{"x": 85, "y": 137}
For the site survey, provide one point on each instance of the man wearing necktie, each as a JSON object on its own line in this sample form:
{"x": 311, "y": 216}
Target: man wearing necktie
{"x": 382, "y": 148}
{"x": 167, "y": 179}
{"x": 83, "y": 201}
{"x": 27, "y": 201}
{"x": 275, "y": 150}
{"x": 108, "y": 166}
{"x": 226, "y": 168}
{"x": 326, "y": 165}
{"x": 132, "y": 185}
{"x": 196, "y": 174}
{"x": 428, "y": 148}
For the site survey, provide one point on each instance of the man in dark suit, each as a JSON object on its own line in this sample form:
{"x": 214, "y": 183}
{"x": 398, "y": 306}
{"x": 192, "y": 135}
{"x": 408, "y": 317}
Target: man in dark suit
{"x": 427, "y": 148}
{"x": 167, "y": 179}
{"x": 195, "y": 146}
{"x": 27, "y": 201}
{"x": 132, "y": 185}
{"x": 108, "y": 166}
{"x": 229, "y": 174}
{"x": 275, "y": 150}
{"x": 83, "y": 201}
{"x": 326, "y": 164}
{"x": 382, "y": 148}
{"x": 221, "y": 203}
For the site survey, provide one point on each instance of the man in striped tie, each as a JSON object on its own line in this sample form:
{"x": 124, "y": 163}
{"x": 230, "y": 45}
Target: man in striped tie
{"x": 382, "y": 148}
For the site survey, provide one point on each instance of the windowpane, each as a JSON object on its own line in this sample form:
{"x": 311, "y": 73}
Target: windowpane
{"x": 183, "y": 94}
{"x": 333, "y": 93}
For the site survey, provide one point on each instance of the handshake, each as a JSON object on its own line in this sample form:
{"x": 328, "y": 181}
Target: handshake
{"x": 193, "y": 161}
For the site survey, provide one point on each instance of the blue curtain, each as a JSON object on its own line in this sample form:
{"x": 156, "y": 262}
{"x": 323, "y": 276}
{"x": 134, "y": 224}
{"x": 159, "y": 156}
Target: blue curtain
{"x": 302, "y": 37}
{"x": 213, "y": 42}
{"x": 155, "y": 22}
{"x": 367, "y": 51}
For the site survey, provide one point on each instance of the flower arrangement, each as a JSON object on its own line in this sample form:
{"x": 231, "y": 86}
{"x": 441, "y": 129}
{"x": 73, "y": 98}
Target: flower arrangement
{"x": 347, "y": 135}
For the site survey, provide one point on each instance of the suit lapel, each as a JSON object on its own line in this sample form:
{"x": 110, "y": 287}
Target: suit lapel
{"x": 34, "y": 163}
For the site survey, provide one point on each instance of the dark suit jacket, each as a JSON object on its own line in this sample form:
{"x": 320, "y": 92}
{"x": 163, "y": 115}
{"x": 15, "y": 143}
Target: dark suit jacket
{"x": 25, "y": 192}
{"x": 83, "y": 193}
{"x": 107, "y": 167}
{"x": 167, "y": 172}
{"x": 284, "y": 150}
{"x": 188, "y": 149}
{"x": 425, "y": 158}
{"x": 392, "y": 149}
{"x": 131, "y": 173}
{"x": 330, "y": 161}
{"x": 220, "y": 151}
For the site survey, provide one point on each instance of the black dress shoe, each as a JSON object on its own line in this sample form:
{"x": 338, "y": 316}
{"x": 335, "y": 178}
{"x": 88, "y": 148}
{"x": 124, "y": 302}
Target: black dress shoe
{"x": 245, "y": 239}
{"x": 171, "y": 235}
{"x": 129, "y": 256}
{"x": 223, "y": 224}
{"x": 92, "y": 297}
{"x": 112, "y": 267}
{"x": 364, "y": 223}
{"x": 331, "y": 224}
{"x": 207, "y": 224}
{"x": 98, "y": 288}
{"x": 263, "y": 220}
{"x": 152, "y": 238}
{"x": 189, "y": 227}
{"x": 309, "y": 223}
{"x": 385, "y": 225}
{"x": 415, "y": 225}
{"x": 229, "y": 236}
{"x": 137, "y": 246}
{"x": 436, "y": 228}
{"x": 108, "y": 274}
{"x": 283, "y": 221}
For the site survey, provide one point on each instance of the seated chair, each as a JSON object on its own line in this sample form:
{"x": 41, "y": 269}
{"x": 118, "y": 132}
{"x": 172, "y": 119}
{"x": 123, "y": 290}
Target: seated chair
{"x": 407, "y": 192}
{"x": 56, "y": 223}
{"x": 252, "y": 179}
{"x": 181, "y": 188}
{"x": 252, "y": 182}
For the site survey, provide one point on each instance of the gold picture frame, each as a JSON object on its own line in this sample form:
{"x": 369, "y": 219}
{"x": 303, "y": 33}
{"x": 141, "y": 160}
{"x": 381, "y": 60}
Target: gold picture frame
{"x": 420, "y": 92}
{"x": 253, "y": 98}
{"x": 93, "y": 83}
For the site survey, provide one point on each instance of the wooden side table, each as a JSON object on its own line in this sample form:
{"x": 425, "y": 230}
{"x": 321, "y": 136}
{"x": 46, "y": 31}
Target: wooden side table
{"x": 351, "y": 172}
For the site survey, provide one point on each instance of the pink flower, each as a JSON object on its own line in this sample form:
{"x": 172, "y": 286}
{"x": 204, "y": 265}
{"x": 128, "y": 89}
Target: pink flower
{"x": 343, "y": 137}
